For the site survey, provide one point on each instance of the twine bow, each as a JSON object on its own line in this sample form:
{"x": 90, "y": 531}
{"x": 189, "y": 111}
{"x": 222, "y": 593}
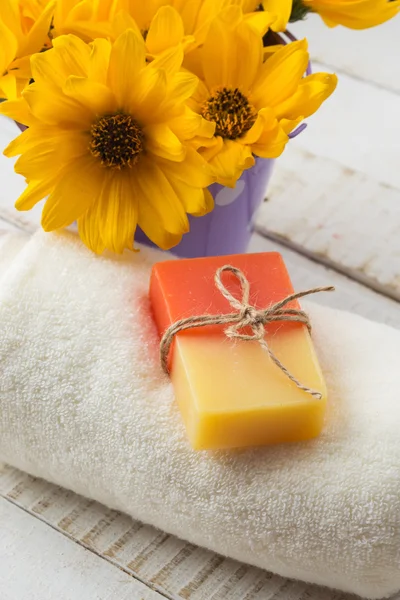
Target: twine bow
{"x": 247, "y": 317}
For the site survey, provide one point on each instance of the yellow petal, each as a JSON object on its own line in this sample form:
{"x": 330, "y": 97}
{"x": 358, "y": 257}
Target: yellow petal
{"x": 281, "y": 9}
{"x": 249, "y": 5}
{"x": 21, "y": 67}
{"x": 8, "y": 86}
{"x": 39, "y": 34}
{"x": 98, "y": 61}
{"x": 211, "y": 148}
{"x": 118, "y": 211}
{"x": 219, "y": 68}
{"x": 229, "y": 164}
{"x": 193, "y": 62}
{"x": 261, "y": 21}
{"x": 123, "y": 21}
{"x": 248, "y": 44}
{"x": 256, "y": 131}
{"x": 148, "y": 95}
{"x": 10, "y": 16}
{"x": 180, "y": 88}
{"x": 208, "y": 200}
{"x": 89, "y": 229}
{"x": 50, "y": 153}
{"x": 69, "y": 56}
{"x": 35, "y": 192}
{"x": 311, "y": 93}
{"x": 170, "y": 60}
{"x": 272, "y": 143}
{"x": 194, "y": 170}
{"x": 355, "y": 14}
{"x": 227, "y": 66}
{"x": 127, "y": 59}
{"x": 94, "y": 96}
{"x": 288, "y": 125}
{"x": 194, "y": 200}
{"x": 53, "y": 107}
{"x": 166, "y": 30}
{"x": 190, "y": 124}
{"x": 230, "y": 11}
{"x": 161, "y": 141}
{"x": 73, "y": 195}
{"x": 18, "y": 110}
{"x": 104, "y": 9}
{"x": 74, "y": 54}
{"x": 161, "y": 214}
{"x": 280, "y": 75}
{"x": 25, "y": 141}
{"x": 8, "y": 47}
{"x": 90, "y": 30}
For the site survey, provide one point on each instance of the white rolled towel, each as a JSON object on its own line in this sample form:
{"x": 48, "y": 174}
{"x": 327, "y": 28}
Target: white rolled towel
{"x": 84, "y": 404}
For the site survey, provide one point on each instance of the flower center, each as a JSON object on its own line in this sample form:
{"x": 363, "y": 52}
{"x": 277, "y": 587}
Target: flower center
{"x": 117, "y": 140}
{"x": 231, "y": 111}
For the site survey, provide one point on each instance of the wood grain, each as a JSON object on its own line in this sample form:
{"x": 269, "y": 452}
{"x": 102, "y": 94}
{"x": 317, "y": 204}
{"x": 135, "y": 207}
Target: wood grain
{"x": 38, "y": 563}
{"x": 358, "y": 127}
{"x": 370, "y": 55}
{"x": 350, "y": 295}
{"x": 119, "y": 546}
{"x": 336, "y": 215}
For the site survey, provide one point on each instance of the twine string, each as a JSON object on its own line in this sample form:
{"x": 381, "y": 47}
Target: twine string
{"x": 246, "y": 317}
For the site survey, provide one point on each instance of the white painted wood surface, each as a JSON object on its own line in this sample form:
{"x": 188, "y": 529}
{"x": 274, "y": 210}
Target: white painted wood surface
{"x": 358, "y": 127}
{"x": 38, "y": 563}
{"x": 370, "y": 55}
{"x": 169, "y": 567}
{"x": 334, "y": 200}
{"x": 337, "y": 215}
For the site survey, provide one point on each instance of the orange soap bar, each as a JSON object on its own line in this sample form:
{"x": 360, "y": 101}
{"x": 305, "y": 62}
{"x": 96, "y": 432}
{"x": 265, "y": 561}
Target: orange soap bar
{"x": 229, "y": 391}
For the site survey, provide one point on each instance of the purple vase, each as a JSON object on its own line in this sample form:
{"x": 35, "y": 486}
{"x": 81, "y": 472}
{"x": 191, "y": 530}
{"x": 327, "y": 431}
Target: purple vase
{"x": 228, "y": 228}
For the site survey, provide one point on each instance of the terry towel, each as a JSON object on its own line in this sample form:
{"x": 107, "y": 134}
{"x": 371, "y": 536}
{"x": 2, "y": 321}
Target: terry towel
{"x": 84, "y": 404}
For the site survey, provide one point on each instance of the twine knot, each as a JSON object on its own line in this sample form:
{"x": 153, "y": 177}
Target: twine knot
{"x": 248, "y": 323}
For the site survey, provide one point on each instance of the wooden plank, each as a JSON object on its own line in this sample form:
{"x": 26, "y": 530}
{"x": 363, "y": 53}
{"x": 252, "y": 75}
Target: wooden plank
{"x": 337, "y": 216}
{"x": 38, "y": 563}
{"x": 349, "y": 295}
{"x": 176, "y": 569}
{"x": 370, "y": 54}
{"x": 358, "y": 128}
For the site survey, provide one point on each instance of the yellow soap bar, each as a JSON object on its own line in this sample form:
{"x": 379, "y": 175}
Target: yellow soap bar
{"x": 229, "y": 391}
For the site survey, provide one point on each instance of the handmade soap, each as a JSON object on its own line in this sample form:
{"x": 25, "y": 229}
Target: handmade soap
{"x": 230, "y": 393}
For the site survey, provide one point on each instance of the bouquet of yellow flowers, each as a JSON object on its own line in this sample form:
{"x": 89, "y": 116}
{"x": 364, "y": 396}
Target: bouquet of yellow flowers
{"x": 133, "y": 109}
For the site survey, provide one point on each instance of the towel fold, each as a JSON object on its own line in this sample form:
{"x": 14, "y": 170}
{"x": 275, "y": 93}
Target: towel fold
{"x": 84, "y": 404}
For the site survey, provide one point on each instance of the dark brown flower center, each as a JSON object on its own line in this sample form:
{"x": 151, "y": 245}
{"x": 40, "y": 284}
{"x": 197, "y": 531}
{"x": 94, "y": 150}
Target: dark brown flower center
{"x": 117, "y": 140}
{"x": 231, "y": 111}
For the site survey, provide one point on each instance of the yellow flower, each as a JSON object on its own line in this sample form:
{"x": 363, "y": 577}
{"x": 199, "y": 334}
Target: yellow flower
{"x": 161, "y": 32}
{"x": 188, "y": 22}
{"x": 108, "y": 142}
{"x": 24, "y": 30}
{"x": 355, "y": 14}
{"x": 87, "y": 19}
{"x": 254, "y": 104}
{"x": 166, "y": 23}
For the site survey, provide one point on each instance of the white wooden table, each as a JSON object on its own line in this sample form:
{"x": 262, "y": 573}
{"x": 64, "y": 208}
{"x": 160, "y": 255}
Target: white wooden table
{"x": 333, "y": 211}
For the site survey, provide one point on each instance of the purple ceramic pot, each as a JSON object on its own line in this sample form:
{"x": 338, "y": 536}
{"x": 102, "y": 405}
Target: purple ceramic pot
{"x": 228, "y": 228}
